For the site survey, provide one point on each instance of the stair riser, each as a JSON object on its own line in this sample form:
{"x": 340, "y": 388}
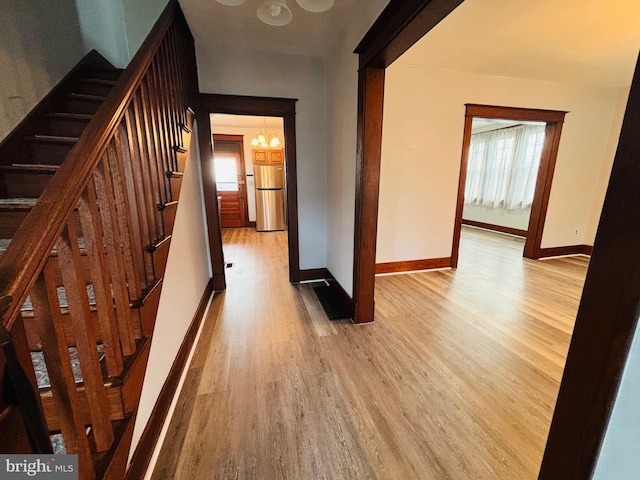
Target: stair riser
{"x": 67, "y": 127}
{"x": 49, "y": 153}
{"x": 20, "y": 184}
{"x": 90, "y": 88}
{"x": 82, "y": 106}
{"x": 175, "y": 184}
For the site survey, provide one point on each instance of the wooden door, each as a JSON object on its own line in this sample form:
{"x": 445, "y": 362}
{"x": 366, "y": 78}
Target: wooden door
{"x": 232, "y": 191}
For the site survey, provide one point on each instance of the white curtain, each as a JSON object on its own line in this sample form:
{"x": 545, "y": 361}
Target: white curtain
{"x": 503, "y": 165}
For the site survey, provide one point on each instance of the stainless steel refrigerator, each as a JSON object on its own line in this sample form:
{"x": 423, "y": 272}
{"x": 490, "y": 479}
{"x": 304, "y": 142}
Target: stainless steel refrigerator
{"x": 270, "y": 211}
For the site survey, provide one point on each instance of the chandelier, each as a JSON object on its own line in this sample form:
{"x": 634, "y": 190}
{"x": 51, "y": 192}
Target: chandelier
{"x": 265, "y": 138}
{"x": 277, "y": 13}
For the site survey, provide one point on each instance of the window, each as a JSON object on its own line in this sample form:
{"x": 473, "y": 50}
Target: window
{"x": 226, "y": 173}
{"x": 502, "y": 166}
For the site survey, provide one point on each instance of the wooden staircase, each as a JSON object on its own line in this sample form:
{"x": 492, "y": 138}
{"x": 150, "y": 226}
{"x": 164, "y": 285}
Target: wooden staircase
{"x": 89, "y": 187}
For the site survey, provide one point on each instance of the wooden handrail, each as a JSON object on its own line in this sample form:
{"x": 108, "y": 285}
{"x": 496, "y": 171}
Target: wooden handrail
{"x": 28, "y": 251}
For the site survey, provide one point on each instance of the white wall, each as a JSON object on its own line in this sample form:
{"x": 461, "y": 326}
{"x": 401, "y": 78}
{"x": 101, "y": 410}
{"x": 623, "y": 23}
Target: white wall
{"x": 188, "y": 272}
{"x": 421, "y": 151}
{"x": 518, "y": 218}
{"x": 619, "y": 459}
{"x": 238, "y": 71}
{"x": 342, "y": 110}
{"x": 117, "y": 28}
{"x": 140, "y": 16}
{"x": 248, "y": 133}
{"x": 39, "y": 44}
{"x": 103, "y": 29}
{"x": 605, "y": 172}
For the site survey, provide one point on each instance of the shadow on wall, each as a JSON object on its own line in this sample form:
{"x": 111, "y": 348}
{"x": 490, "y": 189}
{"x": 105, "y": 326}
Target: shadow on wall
{"x": 40, "y": 43}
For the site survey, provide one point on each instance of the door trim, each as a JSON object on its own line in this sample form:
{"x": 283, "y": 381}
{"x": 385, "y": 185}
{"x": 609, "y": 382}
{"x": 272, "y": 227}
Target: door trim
{"x": 554, "y": 120}
{"x": 256, "y": 106}
{"x": 399, "y": 26}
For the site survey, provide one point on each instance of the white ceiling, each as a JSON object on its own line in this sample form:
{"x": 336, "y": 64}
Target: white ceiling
{"x": 586, "y": 41}
{"x": 307, "y": 34}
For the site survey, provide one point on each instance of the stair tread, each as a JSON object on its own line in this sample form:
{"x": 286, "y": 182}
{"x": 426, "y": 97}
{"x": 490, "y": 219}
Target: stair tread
{"x": 70, "y": 116}
{"x": 30, "y": 167}
{"x": 84, "y": 96}
{"x": 101, "y": 81}
{"x": 17, "y": 203}
{"x": 52, "y": 139}
{"x": 4, "y": 244}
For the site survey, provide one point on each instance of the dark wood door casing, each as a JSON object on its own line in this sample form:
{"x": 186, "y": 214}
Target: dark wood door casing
{"x": 257, "y": 106}
{"x": 400, "y": 25}
{"x": 554, "y": 120}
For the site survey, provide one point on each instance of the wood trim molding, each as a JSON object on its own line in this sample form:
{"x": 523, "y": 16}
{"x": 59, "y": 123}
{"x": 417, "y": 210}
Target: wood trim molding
{"x": 144, "y": 450}
{"x": 515, "y": 113}
{"x": 347, "y": 301}
{"x": 401, "y": 24}
{"x": 543, "y": 190}
{"x": 370, "y": 105}
{"x": 313, "y": 274}
{"x": 554, "y": 120}
{"x": 495, "y": 228}
{"x": 566, "y": 250}
{"x": 260, "y": 106}
{"x": 413, "y": 265}
{"x": 211, "y": 200}
{"x": 462, "y": 180}
{"x": 221, "y": 137}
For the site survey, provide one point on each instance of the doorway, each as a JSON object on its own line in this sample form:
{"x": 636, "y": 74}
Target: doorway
{"x": 550, "y": 123}
{"x": 284, "y": 108}
{"x": 228, "y": 162}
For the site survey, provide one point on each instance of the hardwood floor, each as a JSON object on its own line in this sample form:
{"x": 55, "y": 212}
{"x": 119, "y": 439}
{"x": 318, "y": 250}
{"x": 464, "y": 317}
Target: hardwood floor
{"x": 456, "y": 379}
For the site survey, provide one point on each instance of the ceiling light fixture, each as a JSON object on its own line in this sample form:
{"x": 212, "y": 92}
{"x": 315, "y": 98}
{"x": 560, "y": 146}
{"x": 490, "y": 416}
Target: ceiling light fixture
{"x": 316, "y": 6}
{"x": 265, "y": 138}
{"x": 231, "y": 3}
{"x": 275, "y": 13}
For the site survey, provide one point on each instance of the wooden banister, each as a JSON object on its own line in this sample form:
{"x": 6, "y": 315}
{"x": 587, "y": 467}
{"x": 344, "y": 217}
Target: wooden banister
{"x": 81, "y": 278}
{"x": 27, "y": 253}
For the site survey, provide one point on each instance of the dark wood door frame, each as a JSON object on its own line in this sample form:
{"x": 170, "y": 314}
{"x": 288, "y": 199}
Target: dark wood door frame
{"x": 256, "y": 106}
{"x": 608, "y": 312}
{"x": 554, "y": 120}
{"x": 239, "y": 141}
{"x": 399, "y": 26}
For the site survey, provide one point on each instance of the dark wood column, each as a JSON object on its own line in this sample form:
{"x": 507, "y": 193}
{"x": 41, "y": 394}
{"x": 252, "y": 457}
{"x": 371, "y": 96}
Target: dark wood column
{"x": 211, "y": 199}
{"x": 370, "y": 105}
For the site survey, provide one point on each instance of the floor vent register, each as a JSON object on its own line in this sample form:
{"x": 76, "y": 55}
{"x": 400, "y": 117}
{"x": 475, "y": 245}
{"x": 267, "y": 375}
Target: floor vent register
{"x": 330, "y": 302}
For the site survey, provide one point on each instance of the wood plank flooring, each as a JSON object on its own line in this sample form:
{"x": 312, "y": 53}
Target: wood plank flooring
{"x": 456, "y": 379}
